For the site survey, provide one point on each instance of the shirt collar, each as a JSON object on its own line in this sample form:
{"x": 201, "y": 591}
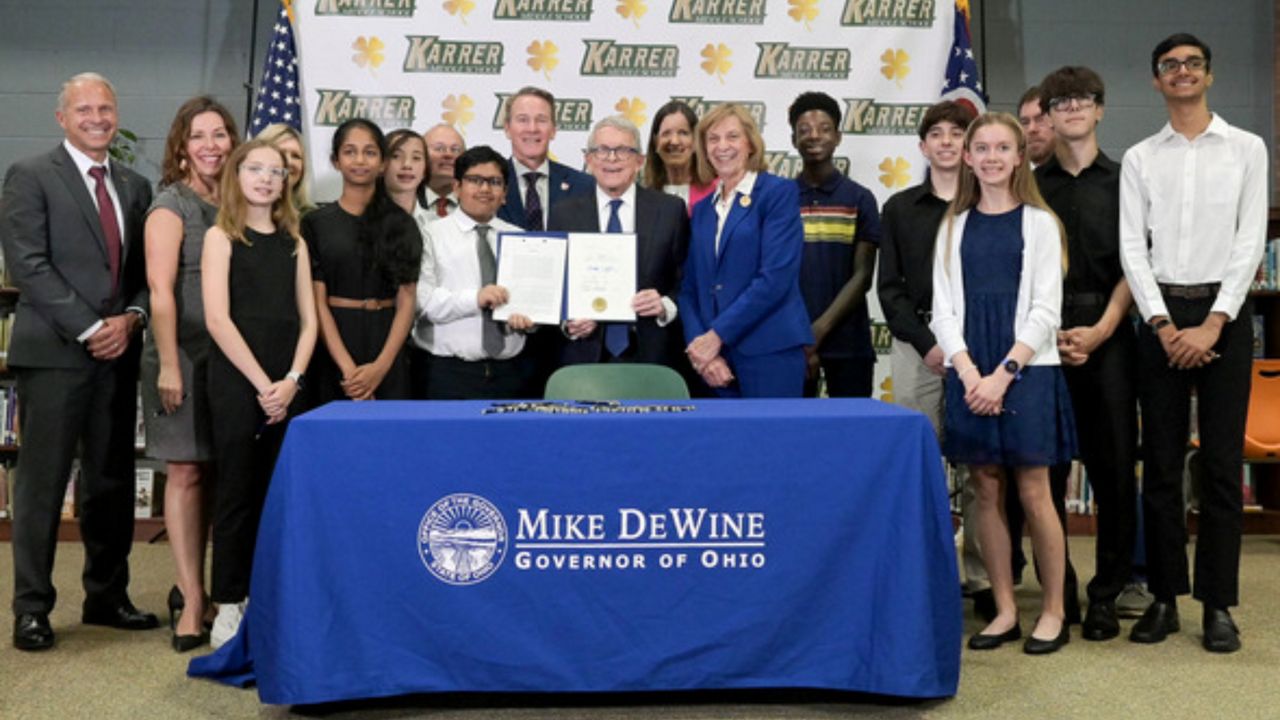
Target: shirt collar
{"x": 432, "y": 196}
{"x": 744, "y": 186}
{"x": 1217, "y": 126}
{"x": 628, "y": 198}
{"x": 521, "y": 168}
{"x": 84, "y": 162}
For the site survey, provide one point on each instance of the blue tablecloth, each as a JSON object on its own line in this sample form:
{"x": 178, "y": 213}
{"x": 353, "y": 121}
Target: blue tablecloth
{"x": 425, "y": 547}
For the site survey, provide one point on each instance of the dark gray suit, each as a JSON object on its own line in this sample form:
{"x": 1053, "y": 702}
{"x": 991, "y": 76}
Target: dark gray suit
{"x": 662, "y": 240}
{"x": 56, "y": 254}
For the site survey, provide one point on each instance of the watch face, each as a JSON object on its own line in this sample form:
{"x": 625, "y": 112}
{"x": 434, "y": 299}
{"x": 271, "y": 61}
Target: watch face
{"x": 1011, "y": 366}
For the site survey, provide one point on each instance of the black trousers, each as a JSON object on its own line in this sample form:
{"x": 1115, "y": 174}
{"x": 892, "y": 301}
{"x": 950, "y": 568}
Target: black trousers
{"x": 846, "y": 378}
{"x": 450, "y": 378}
{"x": 246, "y": 449}
{"x": 1222, "y": 389}
{"x": 61, "y": 410}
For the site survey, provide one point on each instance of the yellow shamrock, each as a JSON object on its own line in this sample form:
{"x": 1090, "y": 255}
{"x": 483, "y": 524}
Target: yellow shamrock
{"x": 717, "y": 60}
{"x": 461, "y": 8}
{"x": 368, "y": 52}
{"x": 896, "y": 65}
{"x": 897, "y": 172}
{"x": 542, "y": 56}
{"x": 457, "y": 112}
{"x": 803, "y": 11}
{"x": 633, "y": 110}
{"x": 887, "y": 387}
{"x": 634, "y": 9}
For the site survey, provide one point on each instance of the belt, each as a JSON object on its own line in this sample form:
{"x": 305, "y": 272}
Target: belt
{"x": 370, "y": 304}
{"x": 1190, "y": 292}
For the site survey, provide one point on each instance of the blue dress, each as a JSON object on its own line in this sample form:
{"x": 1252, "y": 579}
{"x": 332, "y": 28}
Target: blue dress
{"x": 1037, "y": 427}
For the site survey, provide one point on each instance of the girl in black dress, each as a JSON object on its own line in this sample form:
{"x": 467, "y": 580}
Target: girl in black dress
{"x": 261, "y": 315}
{"x": 366, "y": 253}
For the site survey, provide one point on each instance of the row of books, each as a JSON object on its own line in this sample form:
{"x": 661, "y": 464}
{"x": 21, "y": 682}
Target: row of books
{"x": 148, "y": 492}
{"x": 8, "y": 415}
{"x": 6, "y": 333}
{"x": 1268, "y": 275}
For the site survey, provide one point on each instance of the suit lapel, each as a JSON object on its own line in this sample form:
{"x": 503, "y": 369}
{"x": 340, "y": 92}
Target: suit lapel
{"x": 125, "y": 193}
{"x": 515, "y": 194}
{"x": 66, "y": 168}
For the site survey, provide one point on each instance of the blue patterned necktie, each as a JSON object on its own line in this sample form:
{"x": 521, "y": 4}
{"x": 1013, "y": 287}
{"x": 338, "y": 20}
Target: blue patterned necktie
{"x": 617, "y": 335}
{"x": 532, "y": 203}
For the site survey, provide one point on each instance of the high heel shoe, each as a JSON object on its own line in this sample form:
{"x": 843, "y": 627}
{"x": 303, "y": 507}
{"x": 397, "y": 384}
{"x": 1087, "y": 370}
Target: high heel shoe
{"x": 186, "y": 643}
{"x": 183, "y": 643}
{"x": 176, "y": 604}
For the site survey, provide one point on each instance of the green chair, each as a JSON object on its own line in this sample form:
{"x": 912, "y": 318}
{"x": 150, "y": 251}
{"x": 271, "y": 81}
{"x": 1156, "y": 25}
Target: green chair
{"x": 616, "y": 381}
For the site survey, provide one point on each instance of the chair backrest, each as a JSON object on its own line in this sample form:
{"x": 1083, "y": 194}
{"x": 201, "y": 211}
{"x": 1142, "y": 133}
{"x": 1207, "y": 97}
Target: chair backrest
{"x": 616, "y": 381}
{"x": 1262, "y": 429}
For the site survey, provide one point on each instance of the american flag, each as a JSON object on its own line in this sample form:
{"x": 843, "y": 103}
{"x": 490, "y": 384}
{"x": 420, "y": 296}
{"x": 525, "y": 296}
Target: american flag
{"x": 278, "y": 99}
{"x": 963, "y": 83}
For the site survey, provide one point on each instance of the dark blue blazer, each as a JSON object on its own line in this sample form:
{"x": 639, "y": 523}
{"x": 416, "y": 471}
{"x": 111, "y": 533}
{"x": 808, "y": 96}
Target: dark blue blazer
{"x": 564, "y": 182}
{"x": 662, "y": 241}
{"x": 750, "y": 294}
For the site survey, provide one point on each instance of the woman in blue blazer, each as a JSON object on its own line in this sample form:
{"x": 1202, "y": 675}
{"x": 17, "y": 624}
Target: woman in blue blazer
{"x": 744, "y": 318}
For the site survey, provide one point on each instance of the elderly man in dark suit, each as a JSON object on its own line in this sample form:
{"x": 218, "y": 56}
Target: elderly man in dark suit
{"x": 71, "y": 224}
{"x": 661, "y": 225}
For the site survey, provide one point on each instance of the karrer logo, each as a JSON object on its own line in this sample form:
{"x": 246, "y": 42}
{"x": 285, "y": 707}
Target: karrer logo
{"x": 789, "y": 165}
{"x": 864, "y": 116}
{"x": 701, "y": 106}
{"x": 431, "y": 54}
{"x": 366, "y": 8}
{"x": 552, "y": 10}
{"x": 610, "y": 58}
{"x": 784, "y": 61}
{"x": 717, "y": 12}
{"x": 571, "y": 114}
{"x": 888, "y": 13}
{"x": 389, "y": 111}
{"x": 462, "y": 539}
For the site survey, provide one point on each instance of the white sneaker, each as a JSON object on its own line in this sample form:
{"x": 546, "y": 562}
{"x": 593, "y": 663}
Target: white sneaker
{"x": 227, "y": 623}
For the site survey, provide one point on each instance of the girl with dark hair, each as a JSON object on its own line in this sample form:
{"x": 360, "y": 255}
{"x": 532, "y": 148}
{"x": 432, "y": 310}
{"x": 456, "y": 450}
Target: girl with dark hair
{"x": 406, "y": 173}
{"x": 175, "y": 354}
{"x": 365, "y": 253}
{"x": 670, "y": 165}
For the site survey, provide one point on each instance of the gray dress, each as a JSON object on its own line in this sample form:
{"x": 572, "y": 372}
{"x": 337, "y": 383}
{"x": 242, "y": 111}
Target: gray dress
{"x": 182, "y": 436}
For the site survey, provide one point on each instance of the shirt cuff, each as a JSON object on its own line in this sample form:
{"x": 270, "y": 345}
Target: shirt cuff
{"x": 670, "y": 306}
{"x": 89, "y": 333}
{"x": 141, "y": 313}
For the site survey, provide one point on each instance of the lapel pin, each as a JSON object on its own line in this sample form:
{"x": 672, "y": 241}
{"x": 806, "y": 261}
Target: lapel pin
{"x": 564, "y": 186}
{"x": 745, "y": 201}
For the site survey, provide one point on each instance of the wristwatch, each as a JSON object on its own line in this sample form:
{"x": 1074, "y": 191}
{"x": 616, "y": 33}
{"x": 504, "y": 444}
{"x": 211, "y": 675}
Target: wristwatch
{"x": 1159, "y": 323}
{"x": 296, "y": 377}
{"x": 1012, "y": 367}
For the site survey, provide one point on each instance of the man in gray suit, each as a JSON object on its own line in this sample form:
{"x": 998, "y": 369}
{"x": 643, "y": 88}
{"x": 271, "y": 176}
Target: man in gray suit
{"x": 71, "y": 223}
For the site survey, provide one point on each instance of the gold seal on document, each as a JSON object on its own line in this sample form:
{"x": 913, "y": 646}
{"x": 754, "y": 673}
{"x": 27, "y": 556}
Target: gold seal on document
{"x": 745, "y": 201}
{"x": 599, "y": 304}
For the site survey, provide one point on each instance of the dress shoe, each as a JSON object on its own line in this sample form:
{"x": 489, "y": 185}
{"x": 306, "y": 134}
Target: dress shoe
{"x": 186, "y": 643}
{"x": 123, "y": 616}
{"x": 1100, "y": 622}
{"x": 1036, "y": 646}
{"x": 978, "y": 641}
{"x": 984, "y": 605}
{"x": 1220, "y": 633}
{"x": 1157, "y": 622}
{"x": 31, "y": 631}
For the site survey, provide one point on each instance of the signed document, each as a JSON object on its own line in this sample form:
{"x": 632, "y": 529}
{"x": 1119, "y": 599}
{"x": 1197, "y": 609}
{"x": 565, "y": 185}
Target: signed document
{"x": 602, "y": 276}
{"x": 531, "y": 268}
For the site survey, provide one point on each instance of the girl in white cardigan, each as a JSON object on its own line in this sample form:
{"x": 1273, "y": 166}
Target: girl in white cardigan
{"x": 997, "y": 292}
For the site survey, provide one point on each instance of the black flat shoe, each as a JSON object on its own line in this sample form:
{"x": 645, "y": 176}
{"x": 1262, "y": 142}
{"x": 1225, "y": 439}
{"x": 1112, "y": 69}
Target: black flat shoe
{"x": 978, "y": 641}
{"x": 1220, "y": 632}
{"x": 187, "y": 643}
{"x": 1036, "y": 646}
{"x": 1156, "y": 623}
{"x": 31, "y": 631}
{"x": 1101, "y": 622}
{"x": 123, "y": 616}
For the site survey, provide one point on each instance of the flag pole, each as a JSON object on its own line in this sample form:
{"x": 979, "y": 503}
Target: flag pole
{"x": 253, "y": 62}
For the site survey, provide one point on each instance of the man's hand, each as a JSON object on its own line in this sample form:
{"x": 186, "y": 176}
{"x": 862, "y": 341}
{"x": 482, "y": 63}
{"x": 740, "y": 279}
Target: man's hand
{"x": 112, "y": 339}
{"x": 578, "y": 329}
{"x": 519, "y": 323}
{"x": 717, "y": 373}
{"x": 1193, "y": 347}
{"x": 648, "y": 303}
{"x": 492, "y": 296}
{"x": 704, "y": 348}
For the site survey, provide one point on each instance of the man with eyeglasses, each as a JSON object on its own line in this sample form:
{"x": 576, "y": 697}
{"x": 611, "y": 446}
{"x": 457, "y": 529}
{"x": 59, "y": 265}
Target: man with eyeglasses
{"x": 71, "y": 223}
{"x": 1193, "y": 219}
{"x": 444, "y": 145}
{"x": 1036, "y": 126}
{"x": 472, "y": 356}
{"x": 841, "y": 237}
{"x": 661, "y": 225}
{"x": 1096, "y": 340}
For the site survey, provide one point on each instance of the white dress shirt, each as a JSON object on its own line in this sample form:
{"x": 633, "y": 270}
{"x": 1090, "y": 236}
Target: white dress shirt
{"x": 1202, "y": 204}
{"x": 627, "y": 218}
{"x": 724, "y": 204}
{"x": 1038, "y": 312}
{"x": 450, "y": 321}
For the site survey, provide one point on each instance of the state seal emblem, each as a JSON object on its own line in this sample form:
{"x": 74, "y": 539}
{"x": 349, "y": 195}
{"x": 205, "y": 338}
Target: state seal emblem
{"x": 462, "y": 539}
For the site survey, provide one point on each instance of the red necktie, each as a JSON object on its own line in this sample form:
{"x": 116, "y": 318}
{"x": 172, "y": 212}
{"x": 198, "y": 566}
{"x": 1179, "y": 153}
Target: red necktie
{"x": 442, "y": 206}
{"x": 107, "y": 216}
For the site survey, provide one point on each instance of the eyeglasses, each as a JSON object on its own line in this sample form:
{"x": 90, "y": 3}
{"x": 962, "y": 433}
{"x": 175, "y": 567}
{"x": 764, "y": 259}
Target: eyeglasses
{"x": 1084, "y": 102}
{"x": 274, "y": 173}
{"x": 494, "y": 182}
{"x": 604, "y": 152}
{"x": 440, "y": 149}
{"x": 1169, "y": 66}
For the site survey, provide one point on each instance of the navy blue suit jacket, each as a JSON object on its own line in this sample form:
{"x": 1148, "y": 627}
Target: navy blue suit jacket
{"x": 662, "y": 241}
{"x": 750, "y": 294}
{"x": 564, "y": 182}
